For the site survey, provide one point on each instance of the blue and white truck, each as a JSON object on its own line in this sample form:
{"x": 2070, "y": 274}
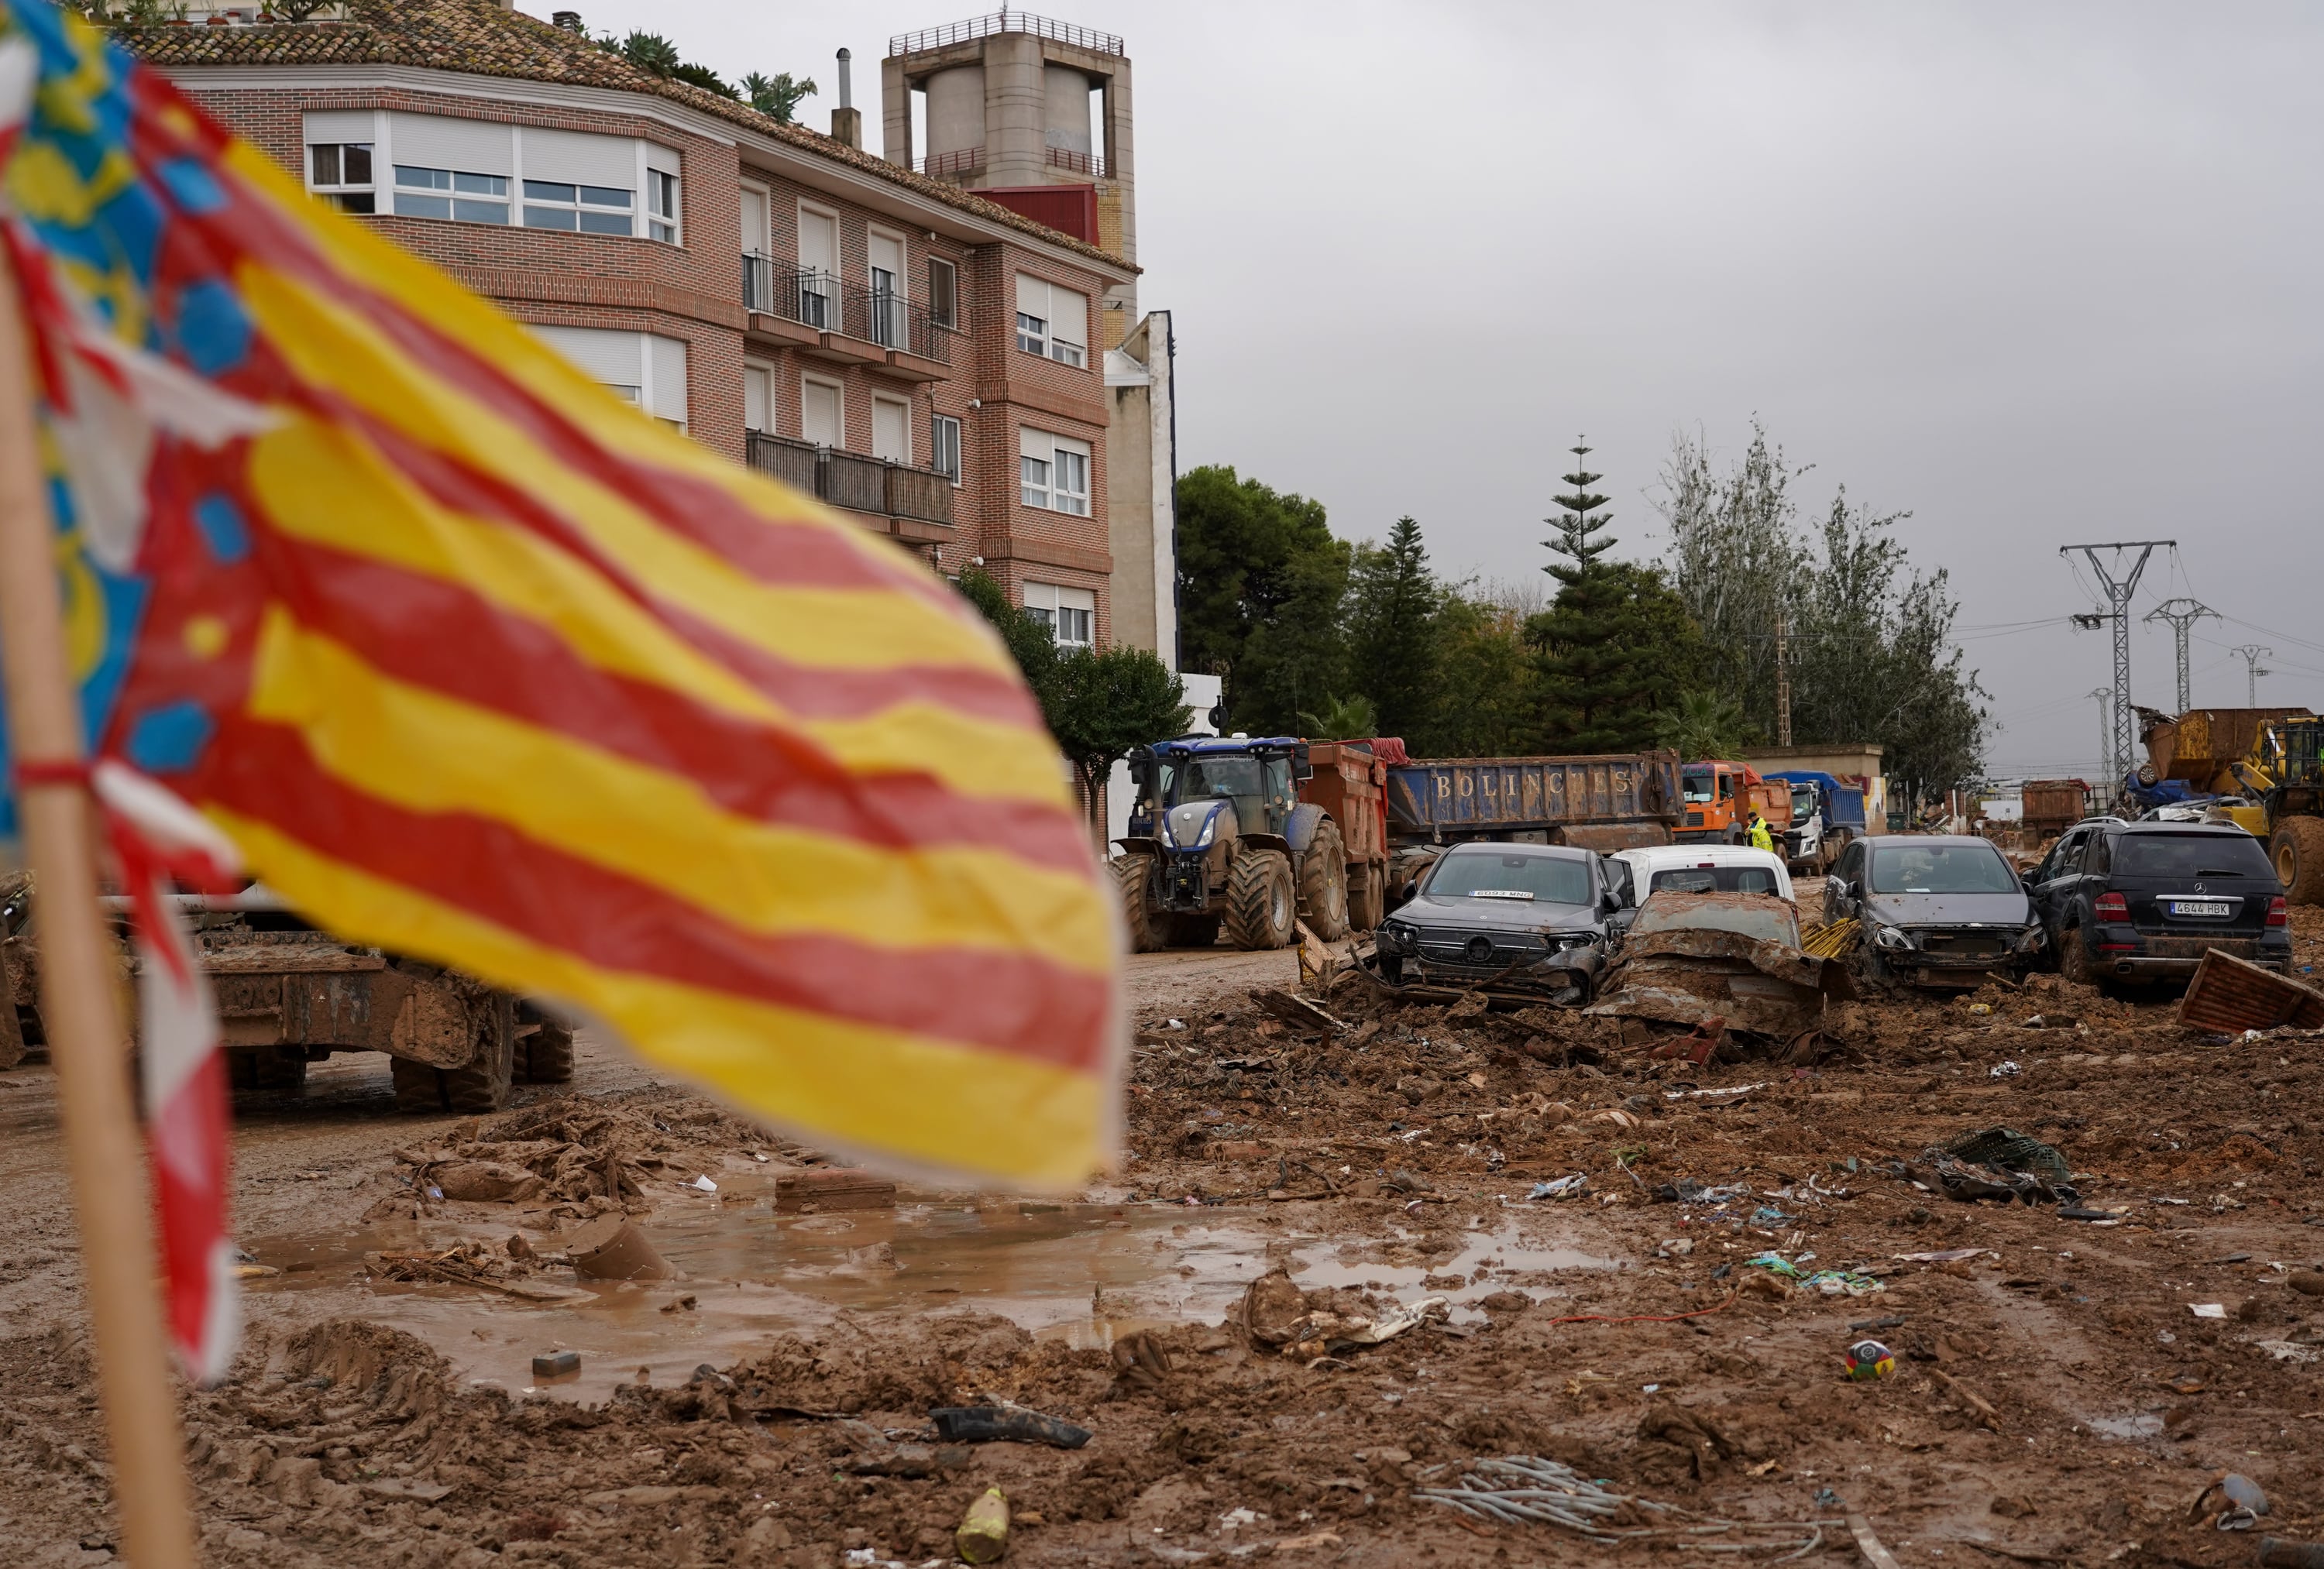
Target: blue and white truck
{"x": 1826, "y": 813}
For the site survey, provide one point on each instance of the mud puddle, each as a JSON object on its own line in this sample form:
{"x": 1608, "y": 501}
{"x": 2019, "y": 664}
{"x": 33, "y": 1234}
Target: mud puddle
{"x": 1081, "y": 1273}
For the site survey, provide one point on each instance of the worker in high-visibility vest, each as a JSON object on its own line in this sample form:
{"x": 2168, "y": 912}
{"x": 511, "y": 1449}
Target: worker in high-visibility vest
{"x": 1758, "y": 835}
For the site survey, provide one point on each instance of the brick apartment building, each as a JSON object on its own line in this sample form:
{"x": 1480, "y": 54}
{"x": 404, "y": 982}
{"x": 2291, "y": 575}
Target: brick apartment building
{"x": 929, "y": 361}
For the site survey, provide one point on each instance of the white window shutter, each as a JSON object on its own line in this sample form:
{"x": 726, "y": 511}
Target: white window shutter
{"x": 1069, "y": 317}
{"x": 754, "y": 223}
{"x": 758, "y": 401}
{"x": 1032, "y": 296}
{"x": 327, "y": 125}
{"x": 891, "y": 430}
{"x": 1035, "y": 444}
{"x": 576, "y": 158}
{"x": 616, "y": 359}
{"x": 668, "y": 392}
{"x": 440, "y": 142}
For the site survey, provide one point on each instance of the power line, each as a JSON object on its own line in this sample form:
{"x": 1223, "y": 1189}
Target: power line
{"x": 2120, "y": 584}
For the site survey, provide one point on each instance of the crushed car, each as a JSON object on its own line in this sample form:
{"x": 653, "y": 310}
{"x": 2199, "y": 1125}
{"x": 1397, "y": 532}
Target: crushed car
{"x": 1692, "y": 958}
{"x": 1521, "y": 924}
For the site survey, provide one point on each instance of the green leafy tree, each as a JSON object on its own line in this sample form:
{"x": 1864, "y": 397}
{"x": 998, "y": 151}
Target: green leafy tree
{"x": 1341, "y": 719}
{"x": 1701, "y": 725}
{"x": 1102, "y": 703}
{"x": 1615, "y": 646}
{"x": 779, "y": 94}
{"x": 1393, "y": 639}
{"x": 1869, "y": 637}
{"x": 1261, "y": 584}
{"x": 1098, "y": 704}
{"x": 1488, "y": 699}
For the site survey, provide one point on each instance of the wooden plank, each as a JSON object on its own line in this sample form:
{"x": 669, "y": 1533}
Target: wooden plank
{"x": 832, "y": 1187}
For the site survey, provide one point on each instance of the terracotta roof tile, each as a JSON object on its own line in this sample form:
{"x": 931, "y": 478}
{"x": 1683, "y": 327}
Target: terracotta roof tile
{"x": 481, "y": 38}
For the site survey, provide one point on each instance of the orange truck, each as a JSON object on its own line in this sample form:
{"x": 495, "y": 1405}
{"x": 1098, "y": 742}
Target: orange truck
{"x": 1718, "y": 798}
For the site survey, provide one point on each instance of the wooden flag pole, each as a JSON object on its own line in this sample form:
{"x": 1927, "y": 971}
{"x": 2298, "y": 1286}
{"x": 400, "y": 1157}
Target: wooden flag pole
{"x": 79, "y": 1005}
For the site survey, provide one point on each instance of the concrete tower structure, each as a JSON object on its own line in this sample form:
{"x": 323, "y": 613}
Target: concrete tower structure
{"x": 1015, "y": 101}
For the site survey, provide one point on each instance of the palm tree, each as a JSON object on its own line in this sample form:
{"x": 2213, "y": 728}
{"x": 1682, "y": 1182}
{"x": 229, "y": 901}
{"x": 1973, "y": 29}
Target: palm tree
{"x": 1342, "y": 720}
{"x": 1703, "y": 725}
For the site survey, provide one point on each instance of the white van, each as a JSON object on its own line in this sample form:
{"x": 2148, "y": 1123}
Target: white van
{"x": 1705, "y": 868}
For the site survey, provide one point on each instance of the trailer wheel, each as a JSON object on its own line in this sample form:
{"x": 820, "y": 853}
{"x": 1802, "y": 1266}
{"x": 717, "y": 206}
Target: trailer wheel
{"x": 1260, "y": 912}
{"x": 2299, "y": 856}
{"x": 1323, "y": 882}
{"x": 270, "y": 1067}
{"x": 1134, "y": 875}
{"x": 1367, "y": 896}
{"x": 544, "y": 1056}
{"x": 483, "y": 1086}
{"x": 418, "y": 1087}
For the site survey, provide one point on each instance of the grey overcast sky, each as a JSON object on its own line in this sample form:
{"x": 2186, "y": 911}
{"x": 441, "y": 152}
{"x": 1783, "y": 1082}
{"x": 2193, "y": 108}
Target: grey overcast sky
{"x": 2039, "y": 274}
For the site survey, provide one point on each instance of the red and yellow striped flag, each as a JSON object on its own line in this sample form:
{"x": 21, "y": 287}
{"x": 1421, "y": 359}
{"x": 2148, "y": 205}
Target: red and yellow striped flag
{"x": 476, "y": 664}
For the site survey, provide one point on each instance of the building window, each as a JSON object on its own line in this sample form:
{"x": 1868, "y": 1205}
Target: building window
{"x": 589, "y": 209}
{"x": 944, "y": 294}
{"x": 1053, "y": 472}
{"x": 446, "y": 193}
{"x": 944, "y": 441}
{"x": 1069, "y": 613}
{"x": 661, "y": 206}
{"x": 340, "y": 173}
{"x": 1052, "y": 322}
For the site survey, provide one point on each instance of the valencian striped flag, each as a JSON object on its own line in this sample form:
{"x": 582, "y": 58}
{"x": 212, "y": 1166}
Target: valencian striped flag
{"x": 471, "y": 662}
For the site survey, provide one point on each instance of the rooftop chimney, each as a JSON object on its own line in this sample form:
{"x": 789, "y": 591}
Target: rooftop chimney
{"x": 570, "y": 20}
{"x": 846, "y": 120}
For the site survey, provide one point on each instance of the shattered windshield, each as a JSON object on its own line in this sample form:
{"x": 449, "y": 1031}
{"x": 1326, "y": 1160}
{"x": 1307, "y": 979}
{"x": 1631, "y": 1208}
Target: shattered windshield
{"x": 1487, "y": 874}
{"x": 1941, "y": 868}
{"x": 1760, "y": 916}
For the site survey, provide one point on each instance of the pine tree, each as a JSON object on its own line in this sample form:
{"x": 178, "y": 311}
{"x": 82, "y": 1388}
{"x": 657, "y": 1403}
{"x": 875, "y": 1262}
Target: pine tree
{"x": 1392, "y": 631}
{"x": 1614, "y": 647}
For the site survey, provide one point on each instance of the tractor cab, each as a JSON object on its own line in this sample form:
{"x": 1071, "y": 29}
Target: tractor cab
{"x": 1183, "y": 785}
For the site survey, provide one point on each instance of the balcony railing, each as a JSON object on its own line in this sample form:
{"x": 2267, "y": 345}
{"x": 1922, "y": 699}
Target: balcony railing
{"x": 850, "y": 479}
{"x": 977, "y": 27}
{"x": 1089, "y": 163}
{"x": 817, "y": 300}
{"x": 943, "y": 165}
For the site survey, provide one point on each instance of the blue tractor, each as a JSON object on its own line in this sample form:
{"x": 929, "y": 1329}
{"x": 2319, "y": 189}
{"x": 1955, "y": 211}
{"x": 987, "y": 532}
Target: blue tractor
{"x": 1219, "y": 838}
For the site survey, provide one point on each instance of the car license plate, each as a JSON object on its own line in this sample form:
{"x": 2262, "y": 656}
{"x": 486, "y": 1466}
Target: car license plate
{"x": 2198, "y": 907}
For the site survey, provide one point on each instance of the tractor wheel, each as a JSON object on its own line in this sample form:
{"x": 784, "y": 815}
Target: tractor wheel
{"x": 1135, "y": 877}
{"x": 544, "y": 1056}
{"x": 1194, "y": 931}
{"x": 1324, "y": 883}
{"x": 483, "y": 1086}
{"x": 1367, "y": 896}
{"x": 2299, "y": 855}
{"x": 1260, "y": 910}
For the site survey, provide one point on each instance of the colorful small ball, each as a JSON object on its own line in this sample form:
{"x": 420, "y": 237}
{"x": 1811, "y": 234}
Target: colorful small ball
{"x": 1868, "y": 1359}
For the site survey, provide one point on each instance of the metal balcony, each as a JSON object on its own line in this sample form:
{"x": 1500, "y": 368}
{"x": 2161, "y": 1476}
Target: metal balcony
{"x": 859, "y": 484}
{"x": 849, "y": 316}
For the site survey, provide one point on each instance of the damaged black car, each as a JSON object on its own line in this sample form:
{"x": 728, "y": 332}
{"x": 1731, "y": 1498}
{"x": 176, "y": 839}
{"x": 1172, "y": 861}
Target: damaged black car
{"x": 1525, "y": 922}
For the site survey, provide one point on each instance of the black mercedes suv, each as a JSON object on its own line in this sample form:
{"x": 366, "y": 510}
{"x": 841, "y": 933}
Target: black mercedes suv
{"x": 2144, "y": 901}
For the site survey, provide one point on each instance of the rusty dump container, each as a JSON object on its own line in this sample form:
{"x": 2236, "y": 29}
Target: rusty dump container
{"x": 1349, "y": 783}
{"x": 2054, "y": 804}
{"x": 2198, "y": 746}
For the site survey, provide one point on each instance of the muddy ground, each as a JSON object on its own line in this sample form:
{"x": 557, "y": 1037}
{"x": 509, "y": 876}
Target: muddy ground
{"x": 2056, "y": 1397}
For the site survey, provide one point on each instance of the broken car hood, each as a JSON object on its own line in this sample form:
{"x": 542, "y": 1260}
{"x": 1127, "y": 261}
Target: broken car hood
{"x": 1690, "y": 975}
{"x": 1949, "y": 909}
{"x": 1434, "y": 914}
